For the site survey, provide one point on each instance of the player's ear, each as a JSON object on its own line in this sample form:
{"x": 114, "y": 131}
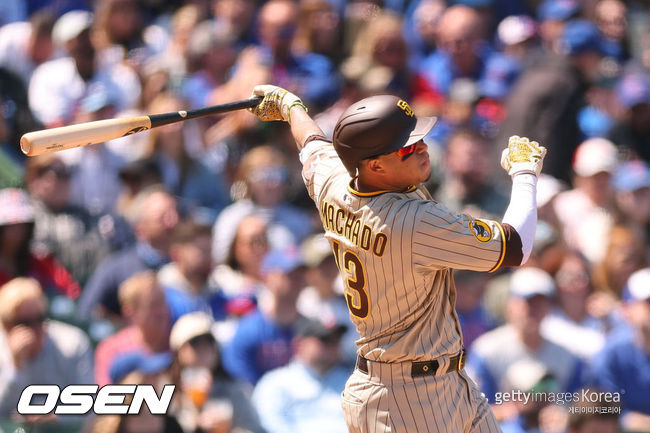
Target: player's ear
{"x": 375, "y": 165}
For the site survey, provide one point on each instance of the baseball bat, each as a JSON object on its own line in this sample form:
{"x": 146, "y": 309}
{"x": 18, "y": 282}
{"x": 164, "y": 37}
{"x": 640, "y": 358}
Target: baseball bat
{"x": 67, "y": 137}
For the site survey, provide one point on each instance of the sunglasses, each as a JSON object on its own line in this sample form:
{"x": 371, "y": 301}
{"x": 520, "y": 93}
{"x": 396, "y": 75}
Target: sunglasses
{"x": 33, "y": 322}
{"x": 405, "y": 152}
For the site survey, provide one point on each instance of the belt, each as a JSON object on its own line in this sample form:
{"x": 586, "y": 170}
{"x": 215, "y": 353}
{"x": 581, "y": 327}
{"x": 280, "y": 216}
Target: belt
{"x": 422, "y": 368}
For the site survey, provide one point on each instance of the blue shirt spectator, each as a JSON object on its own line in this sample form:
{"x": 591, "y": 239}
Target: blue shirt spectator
{"x": 623, "y": 366}
{"x": 305, "y": 395}
{"x": 154, "y": 219}
{"x": 259, "y": 345}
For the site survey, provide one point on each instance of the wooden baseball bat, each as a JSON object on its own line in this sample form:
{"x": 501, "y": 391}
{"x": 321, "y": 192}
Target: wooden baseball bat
{"x": 67, "y": 137}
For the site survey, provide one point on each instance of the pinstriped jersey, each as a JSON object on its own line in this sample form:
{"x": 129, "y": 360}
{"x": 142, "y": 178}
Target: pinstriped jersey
{"x": 395, "y": 252}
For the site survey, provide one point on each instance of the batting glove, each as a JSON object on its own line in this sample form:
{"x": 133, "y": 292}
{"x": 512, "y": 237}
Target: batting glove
{"x": 523, "y": 156}
{"x": 276, "y": 104}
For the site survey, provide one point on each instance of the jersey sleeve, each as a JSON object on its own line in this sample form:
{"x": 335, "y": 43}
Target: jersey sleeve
{"x": 320, "y": 164}
{"x": 443, "y": 239}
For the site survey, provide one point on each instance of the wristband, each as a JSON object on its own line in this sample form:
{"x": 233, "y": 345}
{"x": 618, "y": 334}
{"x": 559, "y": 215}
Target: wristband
{"x": 293, "y": 104}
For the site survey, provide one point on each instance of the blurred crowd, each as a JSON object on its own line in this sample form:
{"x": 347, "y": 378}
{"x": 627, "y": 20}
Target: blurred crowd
{"x": 191, "y": 254}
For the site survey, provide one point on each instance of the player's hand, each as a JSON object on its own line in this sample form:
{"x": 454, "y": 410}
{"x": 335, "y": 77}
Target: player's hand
{"x": 523, "y": 156}
{"x": 276, "y": 104}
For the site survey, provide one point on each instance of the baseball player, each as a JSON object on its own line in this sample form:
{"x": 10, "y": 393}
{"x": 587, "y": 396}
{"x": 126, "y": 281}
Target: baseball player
{"x": 396, "y": 248}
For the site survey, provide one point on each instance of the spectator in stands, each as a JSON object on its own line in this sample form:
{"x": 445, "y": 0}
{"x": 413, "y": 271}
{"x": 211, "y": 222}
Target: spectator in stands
{"x": 632, "y": 133}
{"x": 632, "y": 185}
{"x": 11, "y": 162}
{"x": 263, "y": 177}
{"x": 546, "y": 99}
{"x": 237, "y": 16}
{"x": 240, "y": 276}
{"x": 67, "y": 231}
{"x": 119, "y": 26}
{"x": 186, "y": 277}
{"x": 94, "y": 181}
{"x": 305, "y": 395}
{"x": 195, "y": 352}
{"x": 586, "y": 211}
{"x": 211, "y": 55}
{"x": 458, "y": 111}
{"x": 13, "y": 10}
{"x": 552, "y": 15}
{"x": 26, "y": 44}
{"x": 602, "y": 110}
{"x": 570, "y": 323}
{"x": 57, "y": 86}
{"x": 625, "y": 253}
{"x": 170, "y": 66}
{"x": 310, "y": 75}
{"x": 474, "y": 318}
{"x": 36, "y": 350}
{"x": 262, "y": 340}
{"x": 466, "y": 186}
{"x": 518, "y": 36}
{"x": 137, "y": 368}
{"x": 381, "y": 44}
{"x": 136, "y": 176}
{"x": 623, "y": 365}
{"x": 17, "y": 259}
{"x": 532, "y": 377}
{"x": 322, "y": 299}
{"x": 154, "y": 219}
{"x": 611, "y": 18}
{"x": 319, "y": 30}
{"x": 177, "y": 150}
{"x": 462, "y": 53}
{"x": 147, "y": 318}
{"x": 531, "y": 290}
{"x": 588, "y": 416}
{"x": 421, "y": 30}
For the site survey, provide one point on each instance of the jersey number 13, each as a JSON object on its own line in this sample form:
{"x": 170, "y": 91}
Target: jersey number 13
{"x": 355, "y": 291}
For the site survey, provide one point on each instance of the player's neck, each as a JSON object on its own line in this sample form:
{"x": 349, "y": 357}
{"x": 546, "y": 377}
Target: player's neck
{"x": 367, "y": 185}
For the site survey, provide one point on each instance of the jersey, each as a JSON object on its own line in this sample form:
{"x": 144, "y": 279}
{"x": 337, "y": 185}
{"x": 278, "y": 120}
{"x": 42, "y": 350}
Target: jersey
{"x": 395, "y": 252}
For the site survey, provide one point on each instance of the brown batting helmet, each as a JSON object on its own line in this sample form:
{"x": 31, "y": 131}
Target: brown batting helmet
{"x": 377, "y": 125}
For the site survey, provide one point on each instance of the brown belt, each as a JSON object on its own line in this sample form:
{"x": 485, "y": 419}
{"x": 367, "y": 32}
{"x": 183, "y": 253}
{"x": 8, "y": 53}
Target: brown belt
{"x": 422, "y": 368}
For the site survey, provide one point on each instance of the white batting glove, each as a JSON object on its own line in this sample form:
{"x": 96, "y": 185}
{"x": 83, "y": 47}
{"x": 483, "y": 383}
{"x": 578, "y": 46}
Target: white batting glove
{"x": 523, "y": 156}
{"x": 276, "y": 104}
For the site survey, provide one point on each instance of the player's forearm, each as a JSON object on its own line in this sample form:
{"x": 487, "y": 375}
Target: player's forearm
{"x": 522, "y": 210}
{"x": 303, "y": 126}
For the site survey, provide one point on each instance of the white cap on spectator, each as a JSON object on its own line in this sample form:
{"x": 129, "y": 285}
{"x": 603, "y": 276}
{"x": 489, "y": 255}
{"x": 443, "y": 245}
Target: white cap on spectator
{"x": 189, "y": 326}
{"x": 529, "y": 282}
{"x": 595, "y": 155}
{"x": 70, "y": 25}
{"x": 524, "y": 374}
{"x": 15, "y": 207}
{"x": 515, "y": 29}
{"x": 547, "y": 188}
{"x": 638, "y": 285}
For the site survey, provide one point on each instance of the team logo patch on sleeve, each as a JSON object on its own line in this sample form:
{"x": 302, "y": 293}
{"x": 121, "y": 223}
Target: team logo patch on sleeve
{"x": 481, "y": 230}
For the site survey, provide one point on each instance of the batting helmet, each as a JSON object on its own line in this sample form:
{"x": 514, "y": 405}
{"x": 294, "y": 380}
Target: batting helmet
{"x": 377, "y": 125}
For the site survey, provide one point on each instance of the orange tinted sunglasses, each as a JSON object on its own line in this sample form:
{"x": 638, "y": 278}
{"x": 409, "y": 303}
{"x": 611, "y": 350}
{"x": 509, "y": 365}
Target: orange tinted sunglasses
{"x": 407, "y": 151}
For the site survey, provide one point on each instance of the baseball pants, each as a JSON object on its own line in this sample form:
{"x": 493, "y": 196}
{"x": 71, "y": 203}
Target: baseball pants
{"x": 387, "y": 399}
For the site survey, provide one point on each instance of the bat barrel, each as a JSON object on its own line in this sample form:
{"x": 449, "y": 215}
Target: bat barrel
{"x": 67, "y": 137}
